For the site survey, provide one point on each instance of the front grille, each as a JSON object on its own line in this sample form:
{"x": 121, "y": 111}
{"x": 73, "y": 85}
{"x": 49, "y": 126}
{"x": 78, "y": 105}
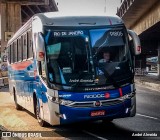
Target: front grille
{"x": 113, "y": 102}
{"x": 91, "y": 103}
{"x": 83, "y": 104}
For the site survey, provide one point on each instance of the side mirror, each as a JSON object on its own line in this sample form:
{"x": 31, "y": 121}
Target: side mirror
{"x": 136, "y": 42}
{"x": 40, "y": 51}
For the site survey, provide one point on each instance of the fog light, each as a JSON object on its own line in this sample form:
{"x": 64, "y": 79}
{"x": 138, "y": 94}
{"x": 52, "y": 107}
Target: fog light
{"x": 64, "y": 116}
{"x": 127, "y": 109}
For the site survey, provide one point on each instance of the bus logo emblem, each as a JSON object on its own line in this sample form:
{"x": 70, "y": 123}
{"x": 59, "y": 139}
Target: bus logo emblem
{"x": 97, "y": 103}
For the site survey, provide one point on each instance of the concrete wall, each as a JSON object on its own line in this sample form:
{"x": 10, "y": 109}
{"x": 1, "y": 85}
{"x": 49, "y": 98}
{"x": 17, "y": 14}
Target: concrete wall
{"x": 10, "y": 20}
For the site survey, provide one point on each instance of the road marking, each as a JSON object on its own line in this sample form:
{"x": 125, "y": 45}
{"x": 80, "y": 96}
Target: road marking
{"x": 147, "y": 116}
{"x": 94, "y": 135}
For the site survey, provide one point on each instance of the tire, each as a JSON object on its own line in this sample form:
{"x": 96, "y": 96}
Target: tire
{"x": 41, "y": 122}
{"x": 17, "y": 106}
{"x": 107, "y": 120}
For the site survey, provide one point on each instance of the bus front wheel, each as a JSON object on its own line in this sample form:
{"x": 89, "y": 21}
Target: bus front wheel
{"x": 107, "y": 121}
{"x": 18, "y": 107}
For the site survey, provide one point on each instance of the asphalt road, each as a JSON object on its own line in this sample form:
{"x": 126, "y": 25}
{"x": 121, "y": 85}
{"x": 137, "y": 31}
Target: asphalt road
{"x": 147, "y": 120}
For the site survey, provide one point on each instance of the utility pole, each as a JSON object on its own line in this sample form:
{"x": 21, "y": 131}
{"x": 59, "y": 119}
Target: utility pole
{"x": 105, "y": 7}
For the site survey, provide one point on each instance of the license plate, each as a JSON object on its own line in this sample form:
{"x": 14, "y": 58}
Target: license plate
{"x": 98, "y": 113}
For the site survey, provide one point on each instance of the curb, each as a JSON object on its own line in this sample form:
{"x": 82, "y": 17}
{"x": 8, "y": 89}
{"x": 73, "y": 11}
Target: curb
{"x": 152, "y": 86}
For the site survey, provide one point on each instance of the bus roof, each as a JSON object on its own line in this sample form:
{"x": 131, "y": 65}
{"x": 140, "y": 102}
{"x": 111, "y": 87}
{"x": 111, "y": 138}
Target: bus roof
{"x": 62, "y": 19}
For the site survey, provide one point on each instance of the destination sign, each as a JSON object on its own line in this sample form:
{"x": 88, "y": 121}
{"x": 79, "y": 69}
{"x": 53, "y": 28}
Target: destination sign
{"x": 68, "y": 33}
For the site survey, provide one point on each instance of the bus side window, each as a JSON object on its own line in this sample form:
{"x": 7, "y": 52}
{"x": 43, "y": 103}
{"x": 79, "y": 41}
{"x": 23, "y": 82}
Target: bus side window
{"x": 30, "y": 45}
{"x": 19, "y": 49}
{"x": 15, "y": 51}
{"x": 9, "y": 53}
{"x": 12, "y": 55}
{"x": 24, "y": 46}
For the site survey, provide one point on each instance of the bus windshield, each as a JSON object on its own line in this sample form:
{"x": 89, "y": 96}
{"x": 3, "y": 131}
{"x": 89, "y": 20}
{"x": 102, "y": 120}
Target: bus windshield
{"x": 87, "y": 58}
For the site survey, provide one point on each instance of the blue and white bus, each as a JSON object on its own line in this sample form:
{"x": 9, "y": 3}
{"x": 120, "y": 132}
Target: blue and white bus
{"x": 68, "y": 69}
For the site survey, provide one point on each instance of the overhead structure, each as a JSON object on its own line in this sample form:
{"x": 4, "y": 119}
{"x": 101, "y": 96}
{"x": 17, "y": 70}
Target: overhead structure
{"x": 139, "y": 15}
{"x": 143, "y": 17}
{"x": 14, "y": 13}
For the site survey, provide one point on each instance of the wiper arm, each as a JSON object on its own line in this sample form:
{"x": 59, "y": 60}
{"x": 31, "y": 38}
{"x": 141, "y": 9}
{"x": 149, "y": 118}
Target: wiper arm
{"x": 108, "y": 76}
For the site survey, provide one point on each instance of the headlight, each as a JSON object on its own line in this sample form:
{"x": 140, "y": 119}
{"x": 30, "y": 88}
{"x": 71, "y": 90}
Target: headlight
{"x": 59, "y": 101}
{"x": 130, "y": 95}
{"x": 65, "y": 102}
{"x": 53, "y": 99}
{"x": 127, "y": 96}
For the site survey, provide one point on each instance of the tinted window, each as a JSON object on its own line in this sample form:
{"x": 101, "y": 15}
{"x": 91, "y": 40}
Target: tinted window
{"x": 24, "y": 46}
{"x": 9, "y": 54}
{"x": 30, "y": 46}
{"x": 15, "y": 51}
{"x": 12, "y": 54}
{"x": 20, "y": 49}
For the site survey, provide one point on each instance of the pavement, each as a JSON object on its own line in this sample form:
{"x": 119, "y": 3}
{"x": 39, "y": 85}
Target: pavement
{"x": 148, "y": 81}
{"x": 147, "y": 120}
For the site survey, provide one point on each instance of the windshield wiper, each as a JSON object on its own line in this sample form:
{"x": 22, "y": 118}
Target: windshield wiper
{"x": 108, "y": 76}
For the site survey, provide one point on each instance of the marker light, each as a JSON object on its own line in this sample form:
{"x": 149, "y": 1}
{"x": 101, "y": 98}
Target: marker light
{"x": 64, "y": 116}
{"x": 41, "y": 54}
{"x": 139, "y": 48}
{"x": 120, "y": 92}
{"x": 127, "y": 109}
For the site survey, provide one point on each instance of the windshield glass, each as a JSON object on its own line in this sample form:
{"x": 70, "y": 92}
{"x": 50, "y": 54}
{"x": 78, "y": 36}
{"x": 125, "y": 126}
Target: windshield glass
{"x": 110, "y": 54}
{"x": 108, "y": 45}
{"x": 87, "y": 57}
{"x": 67, "y": 54}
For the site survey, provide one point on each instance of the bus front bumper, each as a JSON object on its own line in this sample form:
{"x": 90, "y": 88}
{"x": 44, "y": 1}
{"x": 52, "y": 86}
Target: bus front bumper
{"x": 70, "y": 114}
